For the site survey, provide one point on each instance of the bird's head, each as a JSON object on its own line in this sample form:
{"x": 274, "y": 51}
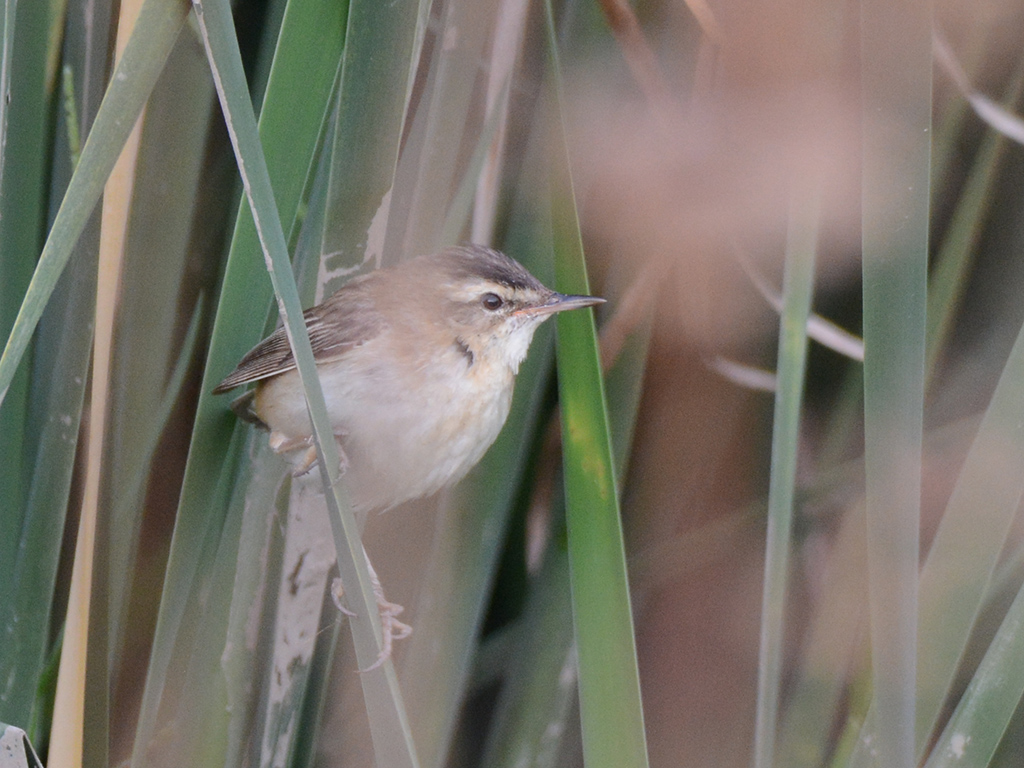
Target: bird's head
{"x": 490, "y": 302}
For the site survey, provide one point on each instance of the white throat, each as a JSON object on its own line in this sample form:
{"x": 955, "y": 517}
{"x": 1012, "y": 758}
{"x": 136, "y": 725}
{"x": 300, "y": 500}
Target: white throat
{"x": 515, "y": 346}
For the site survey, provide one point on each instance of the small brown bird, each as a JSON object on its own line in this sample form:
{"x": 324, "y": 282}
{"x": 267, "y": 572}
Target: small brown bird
{"x": 417, "y": 364}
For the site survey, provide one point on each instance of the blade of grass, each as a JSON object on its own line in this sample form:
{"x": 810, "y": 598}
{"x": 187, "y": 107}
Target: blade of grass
{"x": 59, "y": 366}
{"x": 392, "y": 741}
{"x": 798, "y": 288}
{"x": 80, "y": 733}
{"x": 35, "y": 502}
{"x": 16, "y": 748}
{"x": 610, "y": 705}
{"x": 35, "y": 569}
{"x": 541, "y": 678}
{"x": 199, "y": 731}
{"x": 970, "y": 539}
{"x": 509, "y": 29}
{"x": 133, "y": 80}
{"x": 973, "y": 733}
{"x": 448, "y": 101}
{"x": 306, "y": 62}
{"x": 463, "y": 199}
{"x": 306, "y": 622}
{"x": 509, "y": 32}
{"x": 610, "y": 708}
{"x": 241, "y": 655}
{"x": 949, "y": 277}
{"x": 896, "y": 89}
{"x": 303, "y": 752}
{"x": 159, "y": 248}
{"x": 307, "y": 562}
{"x": 377, "y": 72}
{"x": 827, "y": 655}
{"x": 532, "y": 723}
{"x": 531, "y": 718}
{"x": 22, "y": 214}
{"x": 66, "y": 743}
{"x": 977, "y": 41}
{"x": 6, "y": 55}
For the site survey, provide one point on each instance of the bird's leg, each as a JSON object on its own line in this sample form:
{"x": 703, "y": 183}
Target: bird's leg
{"x": 280, "y": 443}
{"x": 308, "y": 460}
{"x": 244, "y": 407}
{"x": 391, "y": 628}
{"x": 342, "y": 459}
{"x": 338, "y": 592}
{"x": 342, "y": 456}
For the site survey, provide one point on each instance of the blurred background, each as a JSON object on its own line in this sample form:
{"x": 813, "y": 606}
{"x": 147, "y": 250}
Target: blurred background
{"x": 718, "y": 152}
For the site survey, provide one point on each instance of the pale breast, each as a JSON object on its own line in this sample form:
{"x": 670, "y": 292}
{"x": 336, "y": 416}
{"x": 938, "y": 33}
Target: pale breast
{"x": 404, "y": 436}
{"x": 404, "y": 443}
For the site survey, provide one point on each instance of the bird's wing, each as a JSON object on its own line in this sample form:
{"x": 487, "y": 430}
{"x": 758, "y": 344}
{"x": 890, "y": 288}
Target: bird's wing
{"x": 345, "y": 320}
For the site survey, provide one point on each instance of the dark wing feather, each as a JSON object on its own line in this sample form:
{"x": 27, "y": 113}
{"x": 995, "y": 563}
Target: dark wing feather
{"x": 345, "y": 320}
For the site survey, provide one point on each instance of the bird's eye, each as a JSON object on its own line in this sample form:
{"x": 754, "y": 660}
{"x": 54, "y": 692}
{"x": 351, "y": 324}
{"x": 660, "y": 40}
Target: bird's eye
{"x": 491, "y": 301}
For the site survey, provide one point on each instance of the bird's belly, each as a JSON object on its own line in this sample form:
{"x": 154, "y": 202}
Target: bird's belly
{"x": 400, "y": 443}
{"x": 412, "y": 443}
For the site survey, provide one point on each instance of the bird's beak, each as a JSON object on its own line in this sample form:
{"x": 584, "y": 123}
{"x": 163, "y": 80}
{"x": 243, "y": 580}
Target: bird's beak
{"x": 559, "y": 302}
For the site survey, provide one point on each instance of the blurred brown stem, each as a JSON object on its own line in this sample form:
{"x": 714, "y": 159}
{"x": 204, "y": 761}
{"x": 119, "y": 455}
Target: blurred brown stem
{"x": 638, "y": 54}
{"x": 630, "y": 311}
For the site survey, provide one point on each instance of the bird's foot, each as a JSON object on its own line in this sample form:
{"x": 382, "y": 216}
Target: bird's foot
{"x": 391, "y": 628}
{"x": 338, "y": 592}
{"x": 279, "y": 443}
{"x": 307, "y": 462}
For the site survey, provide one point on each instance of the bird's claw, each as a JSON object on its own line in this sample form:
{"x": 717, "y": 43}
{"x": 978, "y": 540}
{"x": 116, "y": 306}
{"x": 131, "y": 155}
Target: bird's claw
{"x": 309, "y": 458}
{"x": 391, "y": 628}
{"x": 337, "y": 592}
